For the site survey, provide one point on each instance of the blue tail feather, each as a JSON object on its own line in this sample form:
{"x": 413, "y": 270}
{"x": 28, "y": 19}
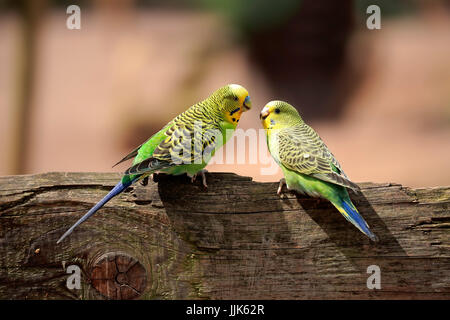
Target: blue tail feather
{"x": 358, "y": 220}
{"x": 114, "y": 192}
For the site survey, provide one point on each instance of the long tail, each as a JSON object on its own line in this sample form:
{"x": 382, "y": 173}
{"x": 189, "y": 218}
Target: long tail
{"x": 349, "y": 211}
{"x": 114, "y": 192}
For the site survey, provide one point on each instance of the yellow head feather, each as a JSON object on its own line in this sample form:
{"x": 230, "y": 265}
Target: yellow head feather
{"x": 279, "y": 114}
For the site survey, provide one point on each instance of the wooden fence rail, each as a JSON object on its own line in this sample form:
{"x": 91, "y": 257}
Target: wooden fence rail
{"x": 236, "y": 240}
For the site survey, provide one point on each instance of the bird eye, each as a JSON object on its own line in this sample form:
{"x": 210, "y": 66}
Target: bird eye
{"x": 277, "y": 110}
{"x": 235, "y": 98}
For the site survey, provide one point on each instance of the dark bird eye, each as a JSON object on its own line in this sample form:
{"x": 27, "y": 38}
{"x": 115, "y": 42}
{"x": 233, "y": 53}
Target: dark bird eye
{"x": 235, "y": 98}
{"x": 277, "y": 110}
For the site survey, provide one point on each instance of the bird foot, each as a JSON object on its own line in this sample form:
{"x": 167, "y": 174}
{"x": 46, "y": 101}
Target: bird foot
{"x": 202, "y": 174}
{"x": 280, "y": 186}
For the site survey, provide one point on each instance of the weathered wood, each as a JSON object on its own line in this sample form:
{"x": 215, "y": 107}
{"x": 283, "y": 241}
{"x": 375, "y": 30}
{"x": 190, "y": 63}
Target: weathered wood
{"x": 236, "y": 240}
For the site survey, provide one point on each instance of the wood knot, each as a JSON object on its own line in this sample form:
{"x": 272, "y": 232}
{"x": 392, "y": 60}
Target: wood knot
{"x": 116, "y": 275}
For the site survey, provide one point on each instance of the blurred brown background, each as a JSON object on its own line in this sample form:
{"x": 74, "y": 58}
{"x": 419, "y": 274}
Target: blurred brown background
{"x": 79, "y": 100}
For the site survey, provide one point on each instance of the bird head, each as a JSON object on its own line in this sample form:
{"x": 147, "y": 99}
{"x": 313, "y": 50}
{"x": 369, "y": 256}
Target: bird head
{"x": 233, "y": 101}
{"x": 279, "y": 114}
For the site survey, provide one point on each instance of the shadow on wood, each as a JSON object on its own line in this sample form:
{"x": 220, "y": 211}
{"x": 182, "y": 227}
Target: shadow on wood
{"x": 235, "y": 240}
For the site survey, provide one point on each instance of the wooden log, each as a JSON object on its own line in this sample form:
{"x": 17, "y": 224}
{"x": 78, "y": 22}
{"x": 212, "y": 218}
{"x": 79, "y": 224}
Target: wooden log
{"x": 235, "y": 240}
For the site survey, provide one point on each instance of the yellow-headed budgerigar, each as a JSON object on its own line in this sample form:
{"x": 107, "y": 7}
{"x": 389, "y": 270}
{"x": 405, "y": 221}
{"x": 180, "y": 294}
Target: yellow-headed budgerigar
{"x": 185, "y": 144}
{"x": 307, "y": 164}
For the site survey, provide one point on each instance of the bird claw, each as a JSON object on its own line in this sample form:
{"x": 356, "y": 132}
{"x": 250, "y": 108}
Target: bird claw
{"x": 280, "y": 186}
{"x": 202, "y": 174}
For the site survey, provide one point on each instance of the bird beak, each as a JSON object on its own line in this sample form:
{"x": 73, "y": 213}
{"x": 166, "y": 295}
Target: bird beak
{"x": 247, "y": 103}
{"x": 264, "y": 113}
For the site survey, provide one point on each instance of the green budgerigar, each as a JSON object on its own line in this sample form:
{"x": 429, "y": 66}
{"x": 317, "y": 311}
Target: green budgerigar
{"x": 185, "y": 144}
{"x": 307, "y": 164}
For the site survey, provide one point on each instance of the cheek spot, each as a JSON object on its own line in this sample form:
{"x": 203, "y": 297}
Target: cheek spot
{"x": 272, "y": 122}
{"x": 234, "y": 119}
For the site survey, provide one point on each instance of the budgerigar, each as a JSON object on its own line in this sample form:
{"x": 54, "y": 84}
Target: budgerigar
{"x": 185, "y": 144}
{"x": 307, "y": 164}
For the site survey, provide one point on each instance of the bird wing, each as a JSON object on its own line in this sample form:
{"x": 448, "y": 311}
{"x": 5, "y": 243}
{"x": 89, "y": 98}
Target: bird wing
{"x": 302, "y": 150}
{"x": 191, "y": 139}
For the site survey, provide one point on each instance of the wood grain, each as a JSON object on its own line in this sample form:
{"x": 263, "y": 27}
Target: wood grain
{"x": 236, "y": 240}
